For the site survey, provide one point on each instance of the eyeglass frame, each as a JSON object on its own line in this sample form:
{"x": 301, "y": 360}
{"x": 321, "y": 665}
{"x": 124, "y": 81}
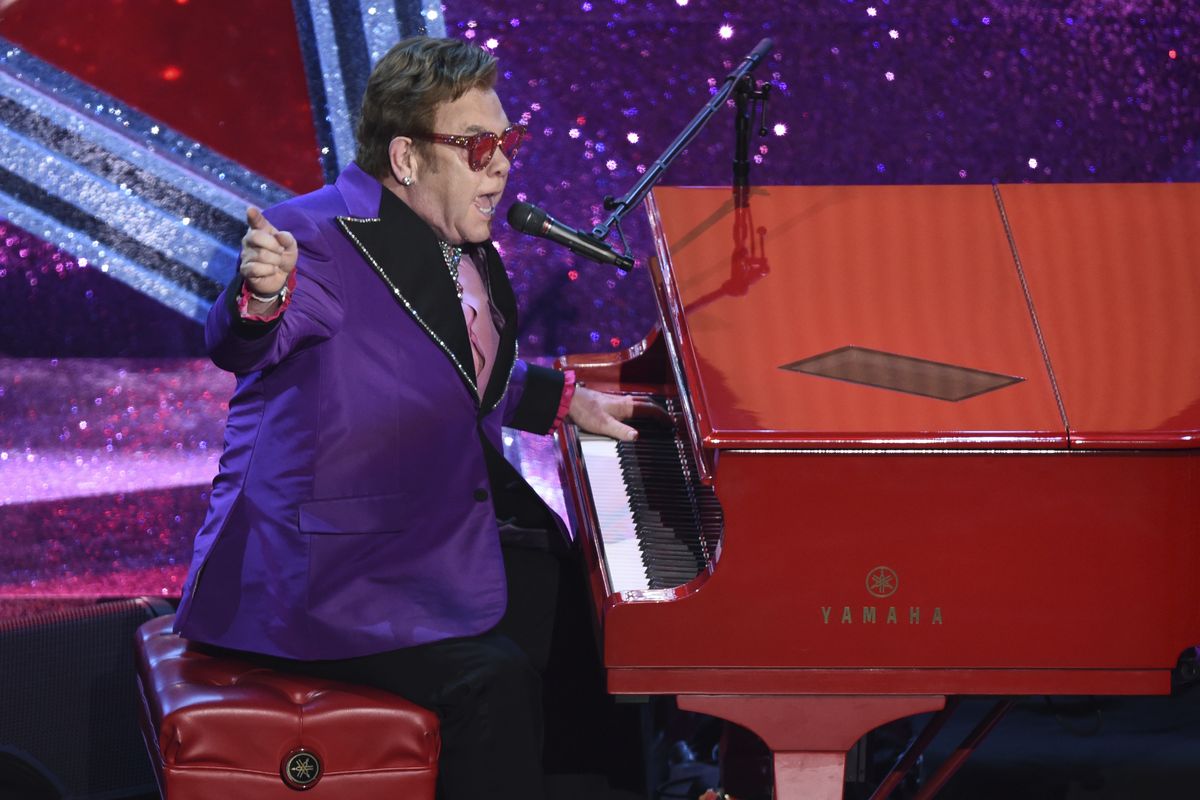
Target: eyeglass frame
{"x": 469, "y": 143}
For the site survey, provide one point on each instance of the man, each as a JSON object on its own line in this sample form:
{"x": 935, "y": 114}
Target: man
{"x": 353, "y": 524}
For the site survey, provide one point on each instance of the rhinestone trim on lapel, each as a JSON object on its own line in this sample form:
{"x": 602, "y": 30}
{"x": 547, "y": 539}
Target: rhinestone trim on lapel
{"x": 507, "y": 378}
{"x": 343, "y": 222}
{"x": 510, "y": 320}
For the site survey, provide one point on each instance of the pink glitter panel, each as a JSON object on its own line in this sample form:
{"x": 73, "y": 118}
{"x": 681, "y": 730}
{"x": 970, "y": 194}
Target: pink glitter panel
{"x": 104, "y": 471}
{"x": 79, "y": 427}
{"x": 116, "y": 545}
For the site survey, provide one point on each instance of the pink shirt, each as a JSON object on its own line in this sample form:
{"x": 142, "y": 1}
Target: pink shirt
{"x": 480, "y": 319}
{"x": 483, "y": 328}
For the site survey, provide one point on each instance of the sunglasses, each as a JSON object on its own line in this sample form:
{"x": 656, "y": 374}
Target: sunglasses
{"x": 481, "y": 147}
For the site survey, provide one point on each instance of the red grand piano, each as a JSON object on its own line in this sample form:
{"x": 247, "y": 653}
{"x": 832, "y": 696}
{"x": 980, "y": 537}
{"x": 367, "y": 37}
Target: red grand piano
{"x": 927, "y": 442}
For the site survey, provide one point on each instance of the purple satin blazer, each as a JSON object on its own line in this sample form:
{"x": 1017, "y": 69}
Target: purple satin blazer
{"x": 353, "y": 512}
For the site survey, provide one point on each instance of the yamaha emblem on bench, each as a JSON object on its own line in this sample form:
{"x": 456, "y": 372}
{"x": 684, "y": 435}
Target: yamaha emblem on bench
{"x": 301, "y": 769}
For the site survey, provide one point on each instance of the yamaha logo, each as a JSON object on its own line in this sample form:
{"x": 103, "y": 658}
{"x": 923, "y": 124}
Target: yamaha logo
{"x": 301, "y": 769}
{"x": 882, "y": 582}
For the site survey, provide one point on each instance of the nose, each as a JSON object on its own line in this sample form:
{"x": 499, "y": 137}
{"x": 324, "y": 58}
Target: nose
{"x": 499, "y": 166}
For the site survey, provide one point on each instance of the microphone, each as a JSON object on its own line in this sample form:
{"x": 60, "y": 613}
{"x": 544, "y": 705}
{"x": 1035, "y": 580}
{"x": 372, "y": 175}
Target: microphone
{"x": 535, "y": 222}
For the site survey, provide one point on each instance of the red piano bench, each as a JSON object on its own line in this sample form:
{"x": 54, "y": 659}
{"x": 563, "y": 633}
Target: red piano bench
{"x": 222, "y": 729}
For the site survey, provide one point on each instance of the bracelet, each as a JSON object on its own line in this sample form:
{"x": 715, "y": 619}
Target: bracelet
{"x": 271, "y": 298}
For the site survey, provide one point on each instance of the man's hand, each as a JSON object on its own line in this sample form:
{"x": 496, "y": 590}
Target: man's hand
{"x": 268, "y": 255}
{"x": 597, "y": 412}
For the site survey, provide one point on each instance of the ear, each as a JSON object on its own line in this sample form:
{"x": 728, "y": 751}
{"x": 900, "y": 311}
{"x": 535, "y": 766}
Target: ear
{"x": 402, "y": 158}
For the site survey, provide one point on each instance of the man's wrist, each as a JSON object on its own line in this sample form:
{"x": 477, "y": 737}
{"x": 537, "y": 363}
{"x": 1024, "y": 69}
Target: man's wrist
{"x": 257, "y": 308}
{"x": 270, "y": 298}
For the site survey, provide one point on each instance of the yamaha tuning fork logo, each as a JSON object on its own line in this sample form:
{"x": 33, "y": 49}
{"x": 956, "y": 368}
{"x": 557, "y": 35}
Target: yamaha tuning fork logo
{"x": 301, "y": 769}
{"x": 882, "y": 582}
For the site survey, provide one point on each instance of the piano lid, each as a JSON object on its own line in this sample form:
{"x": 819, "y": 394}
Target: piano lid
{"x": 900, "y": 317}
{"x": 1115, "y": 274}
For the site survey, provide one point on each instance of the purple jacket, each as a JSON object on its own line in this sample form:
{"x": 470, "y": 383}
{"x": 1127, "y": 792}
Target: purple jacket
{"x": 353, "y": 509}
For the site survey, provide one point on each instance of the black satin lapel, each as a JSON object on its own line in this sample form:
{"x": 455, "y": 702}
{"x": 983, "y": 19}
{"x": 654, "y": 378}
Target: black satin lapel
{"x": 506, "y": 304}
{"x": 404, "y": 252}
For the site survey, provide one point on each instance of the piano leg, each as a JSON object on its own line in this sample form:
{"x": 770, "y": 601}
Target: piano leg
{"x": 810, "y": 734}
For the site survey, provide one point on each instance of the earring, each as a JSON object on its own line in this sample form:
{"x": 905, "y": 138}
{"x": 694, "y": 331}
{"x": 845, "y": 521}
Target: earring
{"x": 406, "y": 180}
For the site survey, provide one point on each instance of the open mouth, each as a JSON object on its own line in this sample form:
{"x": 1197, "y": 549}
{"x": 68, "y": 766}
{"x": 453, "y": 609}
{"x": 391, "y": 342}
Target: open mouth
{"x": 486, "y": 204}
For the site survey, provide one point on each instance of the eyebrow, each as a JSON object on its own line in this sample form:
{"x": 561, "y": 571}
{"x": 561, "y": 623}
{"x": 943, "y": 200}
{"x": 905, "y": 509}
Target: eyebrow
{"x": 482, "y": 129}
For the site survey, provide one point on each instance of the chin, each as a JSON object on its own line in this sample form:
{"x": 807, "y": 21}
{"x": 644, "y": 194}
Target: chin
{"x": 478, "y": 235}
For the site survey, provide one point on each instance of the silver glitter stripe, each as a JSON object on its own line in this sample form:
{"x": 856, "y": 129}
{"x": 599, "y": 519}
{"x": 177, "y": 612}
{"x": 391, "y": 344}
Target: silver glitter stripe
{"x": 380, "y": 27}
{"x": 367, "y": 255}
{"x": 117, "y": 206}
{"x": 98, "y": 256}
{"x": 434, "y": 22}
{"x": 337, "y": 112}
{"x": 131, "y": 135}
{"x": 127, "y": 150}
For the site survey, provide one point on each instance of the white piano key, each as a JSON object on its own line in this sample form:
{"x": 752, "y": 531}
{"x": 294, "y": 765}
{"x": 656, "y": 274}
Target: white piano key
{"x": 622, "y": 555}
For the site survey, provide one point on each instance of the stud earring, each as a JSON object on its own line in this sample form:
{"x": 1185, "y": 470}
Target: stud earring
{"x": 406, "y": 180}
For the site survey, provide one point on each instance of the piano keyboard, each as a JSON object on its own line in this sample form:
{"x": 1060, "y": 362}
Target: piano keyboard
{"x": 659, "y": 527}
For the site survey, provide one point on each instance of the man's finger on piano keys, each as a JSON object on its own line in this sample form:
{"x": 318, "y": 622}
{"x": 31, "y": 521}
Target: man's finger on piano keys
{"x": 614, "y": 408}
{"x": 622, "y": 432}
{"x": 600, "y": 413}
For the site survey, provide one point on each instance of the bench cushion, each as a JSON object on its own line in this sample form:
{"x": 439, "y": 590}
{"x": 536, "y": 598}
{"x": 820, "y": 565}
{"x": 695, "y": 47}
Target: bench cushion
{"x": 217, "y": 727}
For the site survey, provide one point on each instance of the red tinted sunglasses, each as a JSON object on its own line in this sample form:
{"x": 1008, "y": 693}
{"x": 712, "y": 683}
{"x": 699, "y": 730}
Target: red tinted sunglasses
{"x": 481, "y": 147}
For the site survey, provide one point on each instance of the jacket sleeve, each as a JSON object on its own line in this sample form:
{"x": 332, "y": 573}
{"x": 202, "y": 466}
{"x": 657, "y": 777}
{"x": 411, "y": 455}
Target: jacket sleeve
{"x": 534, "y": 394}
{"x": 314, "y": 312}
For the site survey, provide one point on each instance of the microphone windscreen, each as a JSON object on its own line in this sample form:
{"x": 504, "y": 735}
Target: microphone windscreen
{"x": 526, "y": 218}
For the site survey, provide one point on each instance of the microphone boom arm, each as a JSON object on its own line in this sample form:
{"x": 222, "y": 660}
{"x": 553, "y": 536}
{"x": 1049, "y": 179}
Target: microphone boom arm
{"x": 624, "y": 205}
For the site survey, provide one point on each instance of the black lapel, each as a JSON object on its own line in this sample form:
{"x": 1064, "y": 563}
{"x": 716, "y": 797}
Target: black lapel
{"x": 506, "y": 303}
{"x": 404, "y": 252}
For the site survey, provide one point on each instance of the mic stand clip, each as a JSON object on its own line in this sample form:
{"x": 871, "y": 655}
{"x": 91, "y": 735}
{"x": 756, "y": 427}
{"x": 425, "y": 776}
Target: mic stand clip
{"x": 749, "y": 96}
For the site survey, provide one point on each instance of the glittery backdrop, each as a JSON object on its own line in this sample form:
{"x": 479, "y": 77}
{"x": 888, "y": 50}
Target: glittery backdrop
{"x": 899, "y": 91}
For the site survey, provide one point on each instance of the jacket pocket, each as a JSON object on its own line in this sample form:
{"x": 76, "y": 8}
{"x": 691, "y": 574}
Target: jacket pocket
{"x": 380, "y": 513}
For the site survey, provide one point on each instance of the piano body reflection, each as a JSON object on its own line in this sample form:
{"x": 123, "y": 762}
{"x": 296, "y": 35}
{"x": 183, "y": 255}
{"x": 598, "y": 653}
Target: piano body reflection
{"x": 928, "y": 442}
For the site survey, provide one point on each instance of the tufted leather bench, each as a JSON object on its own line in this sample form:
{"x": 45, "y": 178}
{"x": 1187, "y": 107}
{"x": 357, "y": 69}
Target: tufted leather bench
{"x": 220, "y": 728}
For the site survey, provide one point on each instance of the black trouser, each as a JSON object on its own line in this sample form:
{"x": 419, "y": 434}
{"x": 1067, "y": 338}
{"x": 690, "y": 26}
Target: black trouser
{"x": 487, "y": 689}
{"x": 487, "y": 697}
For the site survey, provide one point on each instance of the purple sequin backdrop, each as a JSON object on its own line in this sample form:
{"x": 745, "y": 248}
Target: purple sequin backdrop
{"x": 110, "y": 422}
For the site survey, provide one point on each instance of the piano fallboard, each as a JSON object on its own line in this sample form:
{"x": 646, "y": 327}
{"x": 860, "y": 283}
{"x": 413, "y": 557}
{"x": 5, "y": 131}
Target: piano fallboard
{"x": 936, "y": 560}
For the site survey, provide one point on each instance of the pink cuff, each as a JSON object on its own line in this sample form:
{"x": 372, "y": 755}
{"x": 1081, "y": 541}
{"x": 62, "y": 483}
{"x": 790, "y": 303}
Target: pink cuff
{"x": 243, "y": 302}
{"x": 564, "y": 403}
